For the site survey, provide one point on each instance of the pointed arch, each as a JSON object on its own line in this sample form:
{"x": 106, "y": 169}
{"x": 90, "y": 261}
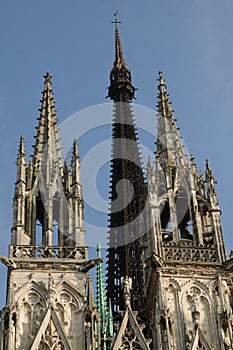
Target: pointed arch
{"x": 203, "y": 288}
{"x": 32, "y": 302}
{"x": 197, "y": 304}
{"x": 174, "y": 283}
{"x": 31, "y": 286}
{"x": 68, "y": 287}
{"x": 68, "y": 306}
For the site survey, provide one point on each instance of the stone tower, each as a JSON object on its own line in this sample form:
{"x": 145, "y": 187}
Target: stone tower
{"x": 47, "y": 304}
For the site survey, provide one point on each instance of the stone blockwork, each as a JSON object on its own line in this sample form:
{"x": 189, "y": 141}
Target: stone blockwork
{"x": 190, "y": 301}
{"x": 32, "y": 292}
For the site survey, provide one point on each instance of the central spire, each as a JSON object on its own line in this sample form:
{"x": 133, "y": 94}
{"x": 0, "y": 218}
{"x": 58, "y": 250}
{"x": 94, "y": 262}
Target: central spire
{"x": 128, "y": 191}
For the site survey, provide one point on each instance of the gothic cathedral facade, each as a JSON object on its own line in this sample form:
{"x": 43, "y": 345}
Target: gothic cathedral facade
{"x": 169, "y": 283}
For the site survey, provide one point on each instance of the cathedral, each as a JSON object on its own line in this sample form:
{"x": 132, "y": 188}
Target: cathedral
{"x": 169, "y": 283}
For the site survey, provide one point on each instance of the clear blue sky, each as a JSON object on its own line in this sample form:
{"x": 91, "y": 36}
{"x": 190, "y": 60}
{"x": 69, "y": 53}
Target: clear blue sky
{"x": 191, "y": 41}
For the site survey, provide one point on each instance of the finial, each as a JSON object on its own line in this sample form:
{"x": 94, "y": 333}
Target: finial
{"x": 47, "y": 76}
{"x": 116, "y": 18}
{"x": 207, "y": 165}
{"x": 47, "y": 80}
{"x": 161, "y": 79}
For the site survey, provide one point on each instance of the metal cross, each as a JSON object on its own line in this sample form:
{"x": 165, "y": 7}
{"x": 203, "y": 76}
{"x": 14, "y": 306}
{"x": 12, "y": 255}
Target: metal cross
{"x": 116, "y": 19}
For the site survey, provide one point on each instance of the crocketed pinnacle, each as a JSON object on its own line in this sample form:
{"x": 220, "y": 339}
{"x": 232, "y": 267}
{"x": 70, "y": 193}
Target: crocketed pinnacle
{"x": 21, "y": 161}
{"x": 119, "y": 59}
{"x": 75, "y": 153}
{"x": 75, "y": 170}
{"x": 170, "y": 148}
{"x": 21, "y": 151}
{"x": 47, "y": 144}
{"x": 209, "y": 173}
{"x": 211, "y": 190}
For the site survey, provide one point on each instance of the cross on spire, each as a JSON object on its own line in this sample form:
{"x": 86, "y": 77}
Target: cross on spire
{"x": 116, "y": 19}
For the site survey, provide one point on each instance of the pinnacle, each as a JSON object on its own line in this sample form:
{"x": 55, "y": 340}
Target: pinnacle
{"x": 208, "y": 169}
{"x": 193, "y": 162}
{"x": 91, "y": 299}
{"x": 75, "y": 153}
{"x": 149, "y": 165}
{"x": 47, "y": 76}
{"x": 21, "y": 152}
{"x": 47, "y": 132}
{"x": 209, "y": 173}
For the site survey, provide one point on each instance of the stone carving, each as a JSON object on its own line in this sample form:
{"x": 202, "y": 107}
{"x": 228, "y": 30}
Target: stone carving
{"x": 51, "y": 339}
{"x": 190, "y": 254}
{"x": 32, "y": 310}
{"x": 67, "y": 307}
{"x": 126, "y": 283}
{"x": 8, "y": 262}
{"x": 90, "y": 264}
{"x": 196, "y": 318}
{"x": 77, "y": 253}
